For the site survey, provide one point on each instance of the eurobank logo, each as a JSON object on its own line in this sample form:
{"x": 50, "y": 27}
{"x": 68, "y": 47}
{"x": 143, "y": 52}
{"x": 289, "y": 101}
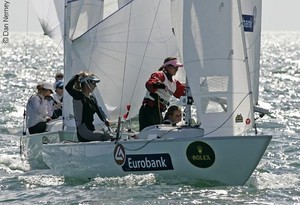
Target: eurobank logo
{"x": 147, "y": 162}
{"x": 142, "y": 162}
{"x": 119, "y": 154}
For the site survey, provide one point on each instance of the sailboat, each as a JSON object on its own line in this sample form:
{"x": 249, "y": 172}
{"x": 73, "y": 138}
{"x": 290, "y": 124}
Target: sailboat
{"x": 124, "y": 48}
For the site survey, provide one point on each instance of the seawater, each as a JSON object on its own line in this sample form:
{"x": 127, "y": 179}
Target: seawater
{"x": 32, "y": 58}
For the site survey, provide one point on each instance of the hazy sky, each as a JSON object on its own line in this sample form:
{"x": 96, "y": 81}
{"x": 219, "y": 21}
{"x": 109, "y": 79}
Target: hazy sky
{"x": 277, "y": 15}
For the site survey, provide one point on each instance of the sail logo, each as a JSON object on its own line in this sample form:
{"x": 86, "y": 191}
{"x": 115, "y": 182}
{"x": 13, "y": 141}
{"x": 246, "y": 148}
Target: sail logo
{"x": 248, "y": 121}
{"x": 147, "y": 162}
{"x": 200, "y": 154}
{"x": 248, "y": 22}
{"x": 119, "y": 154}
{"x": 239, "y": 118}
{"x": 45, "y": 140}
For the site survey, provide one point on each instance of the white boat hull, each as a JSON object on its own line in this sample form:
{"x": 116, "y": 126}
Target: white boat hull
{"x": 228, "y": 160}
{"x": 31, "y": 146}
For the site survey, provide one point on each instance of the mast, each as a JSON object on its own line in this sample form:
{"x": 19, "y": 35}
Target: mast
{"x": 66, "y": 26}
{"x": 188, "y": 101}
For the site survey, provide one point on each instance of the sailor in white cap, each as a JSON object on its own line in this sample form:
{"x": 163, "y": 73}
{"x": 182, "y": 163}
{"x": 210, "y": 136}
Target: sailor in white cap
{"x": 39, "y": 111}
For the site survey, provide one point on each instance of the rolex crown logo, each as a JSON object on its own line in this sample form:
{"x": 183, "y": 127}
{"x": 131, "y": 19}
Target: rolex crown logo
{"x": 200, "y": 149}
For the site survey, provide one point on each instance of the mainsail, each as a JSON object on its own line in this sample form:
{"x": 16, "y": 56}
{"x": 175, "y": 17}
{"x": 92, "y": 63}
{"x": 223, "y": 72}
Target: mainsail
{"x": 212, "y": 45}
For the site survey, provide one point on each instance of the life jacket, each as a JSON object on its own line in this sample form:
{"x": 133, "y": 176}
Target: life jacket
{"x": 164, "y": 94}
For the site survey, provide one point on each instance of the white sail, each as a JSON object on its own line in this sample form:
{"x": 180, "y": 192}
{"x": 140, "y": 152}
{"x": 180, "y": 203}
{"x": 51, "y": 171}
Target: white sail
{"x": 111, "y": 6}
{"x": 50, "y": 14}
{"x": 84, "y": 15}
{"x": 251, "y": 10}
{"x": 212, "y": 45}
{"x": 122, "y": 3}
{"x": 123, "y": 50}
{"x": 81, "y": 17}
{"x": 136, "y": 39}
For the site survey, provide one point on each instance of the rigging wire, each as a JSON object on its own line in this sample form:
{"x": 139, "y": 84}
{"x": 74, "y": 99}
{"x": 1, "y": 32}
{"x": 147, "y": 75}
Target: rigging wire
{"x": 123, "y": 80}
{"x": 145, "y": 50}
{"x": 21, "y": 147}
{"x": 144, "y": 54}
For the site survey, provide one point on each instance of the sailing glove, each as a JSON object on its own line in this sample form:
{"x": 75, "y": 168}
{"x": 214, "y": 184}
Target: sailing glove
{"x": 159, "y": 85}
{"x": 107, "y": 123}
{"x": 49, "y": 98}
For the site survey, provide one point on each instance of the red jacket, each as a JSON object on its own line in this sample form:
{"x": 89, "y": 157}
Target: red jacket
{"x": 159, "y": 76}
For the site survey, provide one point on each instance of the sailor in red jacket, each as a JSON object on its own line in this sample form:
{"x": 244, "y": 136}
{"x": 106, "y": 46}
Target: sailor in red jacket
{"x": 160, "y": 88}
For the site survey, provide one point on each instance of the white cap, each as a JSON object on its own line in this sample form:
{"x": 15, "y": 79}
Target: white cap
{"x": 47, "y": 86}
